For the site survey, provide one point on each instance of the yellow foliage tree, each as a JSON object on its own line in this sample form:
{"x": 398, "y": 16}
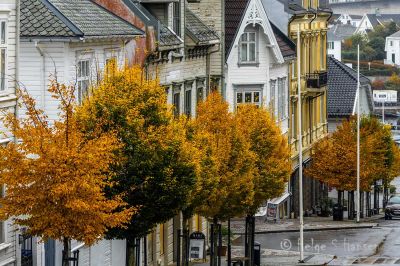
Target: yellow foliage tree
{"x": 334, "y": 159}
{"x": 271, "y": 154}
{"x": 55, "y": 176}
{"x": 159, "y": 170}
{"x": 225, "y": 183}
{"x": 225, "y": 187}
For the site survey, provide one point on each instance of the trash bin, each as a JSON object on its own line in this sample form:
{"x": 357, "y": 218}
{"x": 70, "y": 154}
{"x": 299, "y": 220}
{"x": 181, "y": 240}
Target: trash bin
{"x": 337, "y": 212}
{"x": 257, "y": 254}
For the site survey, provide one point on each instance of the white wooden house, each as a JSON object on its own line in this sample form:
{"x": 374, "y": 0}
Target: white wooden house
{"x": 257, "y": 64}
{"x": 71, "y": 41}
{"x": 8, "y": 78}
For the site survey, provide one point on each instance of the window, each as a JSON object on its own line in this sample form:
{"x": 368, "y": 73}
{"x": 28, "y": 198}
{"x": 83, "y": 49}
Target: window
{"x": 176, "y": 23}
{"x": 177, "y": 101}
{"x": 272, "y": 86}
{"x": 188, "y": 102}
{"x": 282, "y": 99}
{"x": 393, "y": 58}
{"x": 3, "y": 54}
{"x": 83, "y": 78}
{"x": 391, "y": 43}
{"x": 244, "y": 96}
{"x": 248, "y": 47}
{"x": 331, "y": 45}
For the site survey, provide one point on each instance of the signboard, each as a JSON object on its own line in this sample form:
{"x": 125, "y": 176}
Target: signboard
{"x": 197, "y": 246}
{"x": 271, "y": 210}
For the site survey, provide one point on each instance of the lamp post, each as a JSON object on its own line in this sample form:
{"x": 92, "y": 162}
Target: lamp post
{"x": 358, "y": 134}
{"x": 300, "y": 140}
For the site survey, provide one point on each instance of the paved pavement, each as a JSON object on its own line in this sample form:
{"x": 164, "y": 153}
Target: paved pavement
{"x": 310, "y": 224}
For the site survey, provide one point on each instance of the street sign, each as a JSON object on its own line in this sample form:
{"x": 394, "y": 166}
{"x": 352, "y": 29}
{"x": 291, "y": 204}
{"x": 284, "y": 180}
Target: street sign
{"x": 271, "y": 211}
{"x": 197, "y": 245}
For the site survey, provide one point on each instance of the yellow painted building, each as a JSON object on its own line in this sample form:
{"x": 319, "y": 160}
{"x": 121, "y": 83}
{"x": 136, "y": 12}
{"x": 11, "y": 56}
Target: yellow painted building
{"x": 312, "y": 21}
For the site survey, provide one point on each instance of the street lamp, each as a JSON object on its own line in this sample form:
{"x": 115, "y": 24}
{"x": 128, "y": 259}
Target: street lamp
{"x": 300, "y": 140}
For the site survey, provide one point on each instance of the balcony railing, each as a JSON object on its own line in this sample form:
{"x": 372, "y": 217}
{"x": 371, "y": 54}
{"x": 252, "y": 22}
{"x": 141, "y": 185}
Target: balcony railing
{"x": 317, "y": 80}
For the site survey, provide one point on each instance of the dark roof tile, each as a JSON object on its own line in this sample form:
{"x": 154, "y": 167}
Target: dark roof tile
{"x": 71, "y": 18}
{"x": 342, "y": 88}
{"x": 197, "y": 30}
{"x": 234, "y": 11}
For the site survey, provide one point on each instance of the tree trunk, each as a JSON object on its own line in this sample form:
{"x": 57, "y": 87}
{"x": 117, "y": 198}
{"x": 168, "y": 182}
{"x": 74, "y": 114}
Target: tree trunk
{"x": 130, "y": 253}
{"x": 229, "y": 243}
{"x": 339, "y": 195}
{"x": 66, "y": 251}
{"x": 185, "y": 241}
{"x": 214, "y": 243}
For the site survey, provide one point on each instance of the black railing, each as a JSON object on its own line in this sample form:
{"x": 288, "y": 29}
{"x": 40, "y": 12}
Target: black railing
{"x": 317, "y": 80}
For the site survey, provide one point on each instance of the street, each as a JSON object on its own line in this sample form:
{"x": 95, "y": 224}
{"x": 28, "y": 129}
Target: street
{"x": 378, "y": 245}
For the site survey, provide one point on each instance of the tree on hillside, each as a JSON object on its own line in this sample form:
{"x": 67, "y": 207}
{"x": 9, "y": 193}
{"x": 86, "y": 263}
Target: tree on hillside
{"x": 55, "y": 175}
{"x": 158, "y": 171}
{"x": 225, "y": 186}
{"x": 272, "y": 161}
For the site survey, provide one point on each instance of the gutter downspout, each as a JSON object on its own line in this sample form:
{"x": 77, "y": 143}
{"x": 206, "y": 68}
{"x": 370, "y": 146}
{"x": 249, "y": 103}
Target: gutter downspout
{"x": 222, "y": 47}
{"x": 208, "y": 67}
{"x": 43, "y": 73}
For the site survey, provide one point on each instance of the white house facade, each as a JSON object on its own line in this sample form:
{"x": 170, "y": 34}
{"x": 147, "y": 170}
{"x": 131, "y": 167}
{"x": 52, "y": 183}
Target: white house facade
{"x": 392, "y": 49}
{"x": 70, "y": 42}
{"x": 353, "y": 20}
{"x": 8, "y": 80}
{"x": 334, "y": 45}
{"x": 257, "y": 66}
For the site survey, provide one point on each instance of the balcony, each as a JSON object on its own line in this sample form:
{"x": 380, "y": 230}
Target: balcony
{"x": 317, "y": 80}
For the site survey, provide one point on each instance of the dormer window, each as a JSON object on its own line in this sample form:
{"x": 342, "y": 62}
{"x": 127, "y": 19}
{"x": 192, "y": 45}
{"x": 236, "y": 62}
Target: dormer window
{"x": 248, "y": 47}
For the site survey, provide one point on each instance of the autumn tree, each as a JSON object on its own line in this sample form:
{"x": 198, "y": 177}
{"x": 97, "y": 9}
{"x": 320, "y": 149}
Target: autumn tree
{"x": 225, "y": 185}
{"x": 157, "y": 172}
{"x": 334, "y": 158}
{"x": 272, "y": 164}
{"x": 55, "y": 175}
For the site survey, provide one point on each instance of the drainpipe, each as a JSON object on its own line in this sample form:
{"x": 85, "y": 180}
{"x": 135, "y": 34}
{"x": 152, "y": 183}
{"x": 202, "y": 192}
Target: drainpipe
{"x": 208, "y": 67}
{"x": 43, "y": 73}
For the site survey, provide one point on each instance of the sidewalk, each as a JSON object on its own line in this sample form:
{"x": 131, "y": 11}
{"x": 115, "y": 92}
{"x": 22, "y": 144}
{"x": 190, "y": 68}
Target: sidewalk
{"x": 310, "y": 224}
{"x": 282, "y": 258}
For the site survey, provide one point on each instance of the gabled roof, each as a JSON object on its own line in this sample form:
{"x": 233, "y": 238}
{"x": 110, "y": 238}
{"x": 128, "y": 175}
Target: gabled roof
{"x": 380, "y": 19}
{"x": 287, "y": 47}
{"x": 343, "y": 31}
{"x": 199, "y": 31}
{"x": 234, "y": 12}
{"x": 342, "y": 88}
{"x": 71, "y": 18}
{"x": 395, "y": 35}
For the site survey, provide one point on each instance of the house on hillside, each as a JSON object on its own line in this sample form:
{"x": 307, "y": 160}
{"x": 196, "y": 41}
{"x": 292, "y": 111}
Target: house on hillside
{"x": 70, "y": 41}
{"x": 257, "y": 66}
{"x": 346, "y": 19}
{"x": 10, "y": 253}
{"x": 334, "y": 45}
{"x": 392, "y": 49}
{"x": 370, "y": 21}
{"x": 342, "y": 82}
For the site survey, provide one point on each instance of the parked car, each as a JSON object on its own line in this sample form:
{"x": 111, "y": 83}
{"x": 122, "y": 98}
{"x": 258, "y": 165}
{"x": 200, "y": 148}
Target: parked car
{"x": 392, "y": 208}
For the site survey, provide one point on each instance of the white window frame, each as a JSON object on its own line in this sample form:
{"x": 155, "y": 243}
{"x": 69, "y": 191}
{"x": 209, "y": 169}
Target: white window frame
{"x": 83, "y": 78}
{"x": 331, "y": 45}
{"x": 3, "y": 56}
{"x": 110, "y": 53}
{"x": 253, "y": 91}
{"x": 272, "y": 96}
{"x": 247, "y": 42}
